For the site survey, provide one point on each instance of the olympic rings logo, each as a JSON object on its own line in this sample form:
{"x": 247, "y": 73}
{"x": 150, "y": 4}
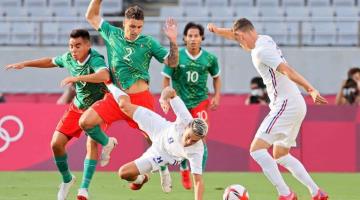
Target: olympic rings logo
{"x": 4, "y": 134}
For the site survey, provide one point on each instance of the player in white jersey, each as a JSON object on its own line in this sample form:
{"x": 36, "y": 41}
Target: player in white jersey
{"x": 280, "y": 128}
{"x": 172, "y": 142}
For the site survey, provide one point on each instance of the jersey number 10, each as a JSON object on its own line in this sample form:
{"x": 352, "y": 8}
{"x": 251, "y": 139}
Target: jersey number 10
{"x": 192, "y": 76}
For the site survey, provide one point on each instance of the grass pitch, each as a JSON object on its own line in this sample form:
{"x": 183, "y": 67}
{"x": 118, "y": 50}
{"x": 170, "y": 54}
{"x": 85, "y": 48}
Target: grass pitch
{"x": 107, "y": 186}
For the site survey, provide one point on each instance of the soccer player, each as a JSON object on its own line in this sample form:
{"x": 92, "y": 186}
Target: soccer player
{"x": 287, "y": 108}
{"x": 88, "y": 72}
{"x": 129, "y": 54}
{"x": 189, "y": 79}
{"x": 172, "y": 141}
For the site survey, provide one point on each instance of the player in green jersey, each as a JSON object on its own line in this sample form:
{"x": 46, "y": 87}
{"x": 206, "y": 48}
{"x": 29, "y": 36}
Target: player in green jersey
{"x": 129, "y": 54}
{"x": 189, "y": 80}
{"x": 88, "y": 72}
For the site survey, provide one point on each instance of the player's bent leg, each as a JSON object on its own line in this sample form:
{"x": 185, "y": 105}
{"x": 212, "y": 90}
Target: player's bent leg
{"x": 259, "y": 153}
{"x": 89, "y": 122}
{"x": 285, "y": 159}
{"x": 132, "y": 174}
{"x": 89, "y": 168}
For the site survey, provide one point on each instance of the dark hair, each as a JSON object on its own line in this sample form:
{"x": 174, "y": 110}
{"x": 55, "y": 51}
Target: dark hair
{"x": 353, "y": 71}
{"x": 196, "y": 26}
{"x": 243, "y": 25}
{"x": 76, "y": 33}
{"x": 134, "y": 12}
{"x": 258, "y": 81}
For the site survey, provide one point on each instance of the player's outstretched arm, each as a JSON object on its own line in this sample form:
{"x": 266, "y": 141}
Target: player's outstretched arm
{"x": 222, "y": 32}
{"x": 170, "y": 30}
{"x": 198, "y": 186}
{"x": 101, "y": 76}
{"x": 93, "y": 14}
{"x": 293, "y": 75}
{"x": 39, "y": 63}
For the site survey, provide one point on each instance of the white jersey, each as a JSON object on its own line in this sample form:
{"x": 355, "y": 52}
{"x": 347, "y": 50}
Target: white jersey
{"x": 166, "y": 137}
{"x": 266, "y": 57}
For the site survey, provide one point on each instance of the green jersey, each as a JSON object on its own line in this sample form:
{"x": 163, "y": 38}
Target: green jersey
{"x": 129, "y": 60}
{"x": 189, "y": 78}
{"x": 86, "y": 93}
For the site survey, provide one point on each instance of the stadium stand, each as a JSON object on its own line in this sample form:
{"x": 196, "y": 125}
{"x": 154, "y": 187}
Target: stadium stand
{"x": 299, "y": 20}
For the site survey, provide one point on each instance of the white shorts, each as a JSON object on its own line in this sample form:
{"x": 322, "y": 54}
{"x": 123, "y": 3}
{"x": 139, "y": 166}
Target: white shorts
{"x": 152, "y": 160}
{"x": 281, "y": 126}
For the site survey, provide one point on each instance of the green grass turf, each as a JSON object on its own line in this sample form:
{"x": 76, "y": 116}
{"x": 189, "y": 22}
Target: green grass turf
{"x": 107, "y": 186}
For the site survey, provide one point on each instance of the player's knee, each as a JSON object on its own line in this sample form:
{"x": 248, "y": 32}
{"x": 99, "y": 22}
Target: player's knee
{"x": 277, "y": 155}
{"x": 85, "y": 123}
{"x": 56, "y": 147}
{"x": 124, "y": 173}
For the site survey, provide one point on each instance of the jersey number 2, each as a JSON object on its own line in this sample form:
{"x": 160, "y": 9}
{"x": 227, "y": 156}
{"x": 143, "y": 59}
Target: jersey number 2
{"x": 129, "y": 51}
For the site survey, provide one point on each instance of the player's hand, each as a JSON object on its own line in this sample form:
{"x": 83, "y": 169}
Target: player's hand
{"x": 317, "y": 98}
{"x": 215, "y": 101}
{"x": 14, "y": 66}
{"x": 165, "y": 104}
{"x": 170, "y": 29}
{"x": 68, "y": 80}
{"x": 211, "y": 27}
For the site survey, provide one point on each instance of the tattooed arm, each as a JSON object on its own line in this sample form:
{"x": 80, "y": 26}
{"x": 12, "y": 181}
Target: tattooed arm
{"x": 171, "y": 32}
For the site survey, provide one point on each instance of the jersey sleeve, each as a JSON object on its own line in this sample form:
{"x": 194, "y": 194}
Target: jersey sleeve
{"x": 149, "y": 121}
{"x": 98, "y": 63}
{"x": 183, "y": 115}
{"x": 59, "y": 61}
{"x": 270, "y": 57}
{"x": 158, "y": 51}
{"x": 214, "y": 70}
{"x": 167, "y": 71}
{"x": 106, "y": 29}
{"x": 196, "y": 158}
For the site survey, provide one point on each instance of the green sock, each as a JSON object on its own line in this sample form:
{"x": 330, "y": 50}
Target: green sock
{"x": 62, "y": 165}
{"x": 89, "y": 170}
{"x": 98, "y": 135}
{"x": 163, "y": 168}
{"x": 205, "y": 157}
{"x": 184, "y": 165}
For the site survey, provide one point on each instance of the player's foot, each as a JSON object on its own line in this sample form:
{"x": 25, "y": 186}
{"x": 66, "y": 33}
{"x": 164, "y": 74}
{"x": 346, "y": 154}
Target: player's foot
{"x": 64, "y": 189}
{"x": 185, "y": 179}
{"x": 291, "y": 196}
{"x": 165, "y": 180}
{"x": 105, "y": 153}
{"x": 135, "y": 186}
{"x": 83, "y": 194}
{"x": 321, "y": 195}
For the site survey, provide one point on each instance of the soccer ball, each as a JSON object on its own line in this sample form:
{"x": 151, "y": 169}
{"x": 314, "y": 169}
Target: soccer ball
{"x": 235, "y": 192}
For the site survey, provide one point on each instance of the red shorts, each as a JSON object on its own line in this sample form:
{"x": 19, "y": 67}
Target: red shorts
{"x": 108, "y": 109}
{"x": 69, "y": 123}
{"x": 200, "y": 111}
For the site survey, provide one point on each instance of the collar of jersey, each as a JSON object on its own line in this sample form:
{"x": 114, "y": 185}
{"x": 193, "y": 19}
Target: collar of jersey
{"x": 83, "y": 63}
{"x": 191, "y": 56}
{"x": 132, "y": 40}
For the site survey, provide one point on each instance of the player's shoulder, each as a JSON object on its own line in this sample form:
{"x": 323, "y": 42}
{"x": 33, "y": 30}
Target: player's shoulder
{"x": 95, "y": 54}
{"x": 265, "y": 41}
{"x": 208, "y": 54}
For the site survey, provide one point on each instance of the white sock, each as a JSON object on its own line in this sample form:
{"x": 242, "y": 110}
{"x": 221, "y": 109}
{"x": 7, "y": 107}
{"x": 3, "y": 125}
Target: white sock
{"x": 271, "y": 170}
{"x": 139, "y": 179}
{"x": 115, "y": 91}
{"x": 299, "y": 172}
{"x": 165, "y": 171}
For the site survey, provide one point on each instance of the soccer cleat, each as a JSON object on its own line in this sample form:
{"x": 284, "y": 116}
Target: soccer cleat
{"x": 185, "y": 179}
{"x": 64, "y": 189}
{"x": 291, "y": 196}
{"x": 321, "y": 195}
{"x": 105, "y": 153}
{"x": 135, "y": 186}
{"x": 83, "y": 194}
{"x": 165, "y": 179}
